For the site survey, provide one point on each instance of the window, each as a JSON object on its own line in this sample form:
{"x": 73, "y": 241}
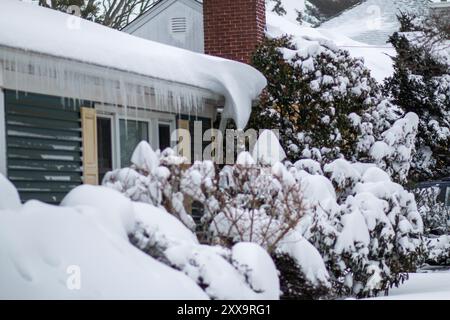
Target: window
{"x": 131, "y": 133}
{"x": 104, "y": 148}
{"x": 164, "y": 135}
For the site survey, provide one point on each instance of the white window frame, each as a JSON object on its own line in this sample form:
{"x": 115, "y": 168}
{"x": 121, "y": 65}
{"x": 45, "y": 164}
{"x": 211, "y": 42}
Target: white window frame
{"x": 114, "y": 146}
{"x": 3, "y": 167}
{"x": 132, "y": 118}
{"x": 172, "y": 126}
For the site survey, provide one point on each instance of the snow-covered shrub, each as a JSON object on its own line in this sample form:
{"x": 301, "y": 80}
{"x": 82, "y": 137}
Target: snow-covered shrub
{"x": 394, "y": 150}
{"x": 436, "y": 220}
{"x": 246, "y": 201}
{"x": 435, "y": 215}
{"x": 152, "y": 178}
{"x": 438, "y": 250}
{"x": 303, "y": 274}
{"x": 368, "y": 232}
{"x": 421, "y": 84}
{"x": 245, "y": 271}
{"x": 327, "y": 106}
{"x": 313, "y": 87}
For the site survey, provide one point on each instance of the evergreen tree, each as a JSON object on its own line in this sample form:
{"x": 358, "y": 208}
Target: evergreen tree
{"x": 421, "y": 84}
{"x": 313, "y": 98}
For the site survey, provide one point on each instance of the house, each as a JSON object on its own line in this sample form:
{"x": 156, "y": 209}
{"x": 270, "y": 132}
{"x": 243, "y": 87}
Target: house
{"x": 229, "y": 29}
{"x": 174, "y": 22}
{"x": 76, "y": 98}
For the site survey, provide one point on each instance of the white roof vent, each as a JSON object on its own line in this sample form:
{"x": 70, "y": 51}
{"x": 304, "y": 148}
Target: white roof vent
{"x": 178, "y": 25}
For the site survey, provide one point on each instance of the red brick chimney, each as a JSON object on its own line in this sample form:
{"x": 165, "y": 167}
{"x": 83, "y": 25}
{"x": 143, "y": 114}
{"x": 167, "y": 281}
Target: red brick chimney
{"x": 233, "y": 28}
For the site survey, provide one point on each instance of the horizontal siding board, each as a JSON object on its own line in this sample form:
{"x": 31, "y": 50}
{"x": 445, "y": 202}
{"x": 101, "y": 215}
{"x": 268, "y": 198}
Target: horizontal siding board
{"x": 43, "y": 144}
{"x": 31, "y": 132}
{"x": 54, "y": 197}
{"x": 44, "y": 151}
{"x": 37, "y": 154}
{"x": 49, "y": 186}
{"x": 39, "y": 112}
{"x": 17, "y": 175}
{"x": 28, "y": 121}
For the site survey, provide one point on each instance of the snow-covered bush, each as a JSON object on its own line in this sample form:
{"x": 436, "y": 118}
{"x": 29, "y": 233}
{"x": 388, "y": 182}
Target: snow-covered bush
{"x": 244, "y": 271}
{"x": 438, "y": 250}
{"x": 338, "y": 229}
{"x": 368, "y": 232}
{"x": 421, "y": 84}
{"x": 303, "y": 274}
{"x": 435, "y": 215}
{"x": 436, "y": 220}
{"x": 327, "y": 106}
{"x": 152, "y": 178}
{"x": 313, "y": 87}
{"x": 246, "y": 201}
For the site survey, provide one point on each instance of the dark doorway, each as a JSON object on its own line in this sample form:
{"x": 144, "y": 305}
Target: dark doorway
{"x": 164, "y": 136}
{"x": 104, "y": 141}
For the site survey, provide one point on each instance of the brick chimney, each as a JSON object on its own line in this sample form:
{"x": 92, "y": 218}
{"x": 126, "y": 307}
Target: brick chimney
{"x": 233, "y": 28}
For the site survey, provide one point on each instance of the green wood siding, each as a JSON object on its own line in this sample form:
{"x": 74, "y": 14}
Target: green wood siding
{"x": 44, "y": 151}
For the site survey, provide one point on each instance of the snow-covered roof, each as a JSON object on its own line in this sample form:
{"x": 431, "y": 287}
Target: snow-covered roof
{"x": 44, "y": 31}
{"x": 373, "y": 21}
{"x": 377, "y": 59}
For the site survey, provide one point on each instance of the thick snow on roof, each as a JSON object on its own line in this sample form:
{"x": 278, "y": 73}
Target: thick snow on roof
{"x": 50, "y": 32}
{"x": 377, "y": 59}
{"x": 373, "y": 21}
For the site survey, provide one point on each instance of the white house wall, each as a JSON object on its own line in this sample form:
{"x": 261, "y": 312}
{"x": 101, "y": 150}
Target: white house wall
{"x": 157, "y": 26}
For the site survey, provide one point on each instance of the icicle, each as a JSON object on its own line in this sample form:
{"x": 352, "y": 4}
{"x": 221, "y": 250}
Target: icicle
{"x": 78, "y": 81}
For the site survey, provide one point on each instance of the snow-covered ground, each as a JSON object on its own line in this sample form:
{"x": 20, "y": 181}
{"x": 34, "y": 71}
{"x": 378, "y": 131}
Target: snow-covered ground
{"x": 421, "y": 286}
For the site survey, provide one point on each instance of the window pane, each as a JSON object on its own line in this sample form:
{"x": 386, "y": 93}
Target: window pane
{"x": 104, "y": 146}
{"x": 164, "y": 136}
{"x": 131, "y": 133}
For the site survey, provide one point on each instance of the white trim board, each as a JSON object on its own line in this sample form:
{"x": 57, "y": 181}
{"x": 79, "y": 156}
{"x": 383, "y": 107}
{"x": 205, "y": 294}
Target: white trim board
{"x": 3, "y": 167}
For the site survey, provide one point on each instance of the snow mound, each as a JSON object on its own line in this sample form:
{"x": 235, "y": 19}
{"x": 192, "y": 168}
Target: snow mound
{"x": 51, "y": 252}
{"x": 307, "y": 257}
{"x": 144, "y": 158}
{"x": 162, "y": 225}
{"x": 113, "y": 208}
{"x": 223, "y": 275}
{"x": 253, "y": 261}
{"x": 375, "y": 174}
{"x": 9, "y": 196}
